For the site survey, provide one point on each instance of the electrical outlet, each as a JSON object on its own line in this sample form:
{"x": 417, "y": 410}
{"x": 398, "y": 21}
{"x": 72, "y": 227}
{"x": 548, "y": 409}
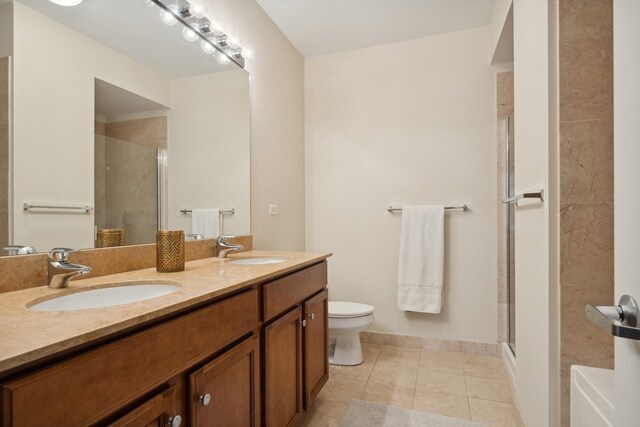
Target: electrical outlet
{"x": 273, "y": 209}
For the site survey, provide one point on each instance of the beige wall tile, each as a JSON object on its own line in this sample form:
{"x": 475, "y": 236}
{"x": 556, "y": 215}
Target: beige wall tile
{"x": 504, "y": 88}
{"x": 441, "y": 403}
{"x": 586, "y": 79}
{"x": 583, "y": 343}
{"x": 586, "y": 161}
{"x": 151, "y": 132}
{"x": 586, "y": 244}
{"x": 28, "y": 271}
{"x": 402, "y": 340}
{"x": 22, "y": 272}
{"x": 388, "y": 395}
{"x": 581, "y": 19}
{"x": 371, "y": 338}
{"x": 488, "y": 389}
{"x": 438, "y": 382}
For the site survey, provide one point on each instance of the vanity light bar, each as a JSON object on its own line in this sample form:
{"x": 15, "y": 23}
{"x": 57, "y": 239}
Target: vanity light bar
{"x": 197, "y": 25}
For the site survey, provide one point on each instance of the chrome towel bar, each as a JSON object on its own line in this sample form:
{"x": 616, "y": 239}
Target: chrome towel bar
{"x": 514, "y": 199}
{"x": 28, "y": 207}
{"x": 464, "y": 207}
{"x": 222, "y": 212}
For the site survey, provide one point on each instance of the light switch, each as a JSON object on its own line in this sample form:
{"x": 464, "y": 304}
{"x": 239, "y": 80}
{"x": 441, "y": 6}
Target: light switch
{"x": 273, "y": 209}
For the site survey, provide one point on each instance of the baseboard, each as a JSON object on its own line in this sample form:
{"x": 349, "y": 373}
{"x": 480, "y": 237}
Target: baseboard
{"x": 439, "y": 344}
{"x": 509, "y": 360}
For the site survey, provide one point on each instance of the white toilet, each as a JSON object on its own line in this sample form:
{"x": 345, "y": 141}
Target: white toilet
{"x": 346, "y": 321}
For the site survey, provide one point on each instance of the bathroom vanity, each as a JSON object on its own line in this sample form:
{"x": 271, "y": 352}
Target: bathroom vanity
{"x": 236, "y": 345}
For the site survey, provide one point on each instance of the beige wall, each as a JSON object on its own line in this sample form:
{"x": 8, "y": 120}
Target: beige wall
{"x": 277, "y": 124}
{"x": 405, "y": 123}
{"x": 535, "y": 105}
{"x": 586, "y": 182}
{"x": 209, "y": 149}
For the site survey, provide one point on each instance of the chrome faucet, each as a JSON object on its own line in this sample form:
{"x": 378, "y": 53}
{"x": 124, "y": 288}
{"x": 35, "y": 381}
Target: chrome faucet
{"x": 20, "y": 250}
{"x": 224, "y": 247}
{"x": 61, "y": 271}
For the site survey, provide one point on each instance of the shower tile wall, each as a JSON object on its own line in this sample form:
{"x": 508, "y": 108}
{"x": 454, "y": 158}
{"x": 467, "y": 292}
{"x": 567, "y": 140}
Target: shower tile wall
{"x": 504, "y": 89}
{"x": 586, "y": 183}
{"x": 4, "y": 150}
{"x": 126, "y": 176}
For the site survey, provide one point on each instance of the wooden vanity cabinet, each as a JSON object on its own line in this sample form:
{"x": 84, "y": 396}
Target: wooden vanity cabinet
{"x": 295, "y": 344}
{"x": 256, "y": 358}
{"x": 315, "y": 339}
{"x": 226, "y": 391}
{"x": 159, "y": 411}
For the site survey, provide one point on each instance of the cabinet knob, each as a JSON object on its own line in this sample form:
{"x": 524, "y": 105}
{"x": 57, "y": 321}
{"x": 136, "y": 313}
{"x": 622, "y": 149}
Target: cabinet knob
{"x": 303, "y": 322}
{"x": 205, "y": 399}
{"x": 175, "y": 421}
{"x": 311, "y": 316}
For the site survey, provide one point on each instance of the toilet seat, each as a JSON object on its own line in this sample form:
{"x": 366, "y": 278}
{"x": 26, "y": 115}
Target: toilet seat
{"x": 343, "y": 309}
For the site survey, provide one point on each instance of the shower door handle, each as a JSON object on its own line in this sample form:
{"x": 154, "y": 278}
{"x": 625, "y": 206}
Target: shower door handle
{"x": 622, "y": 320}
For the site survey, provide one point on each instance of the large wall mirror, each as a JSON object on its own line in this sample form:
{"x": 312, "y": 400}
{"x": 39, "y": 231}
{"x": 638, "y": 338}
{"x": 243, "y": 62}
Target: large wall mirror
{"x": 112, "y": 121}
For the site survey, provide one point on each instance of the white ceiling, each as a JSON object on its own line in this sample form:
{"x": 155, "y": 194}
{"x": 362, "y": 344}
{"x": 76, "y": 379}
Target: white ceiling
{"x": 317, "y": 27}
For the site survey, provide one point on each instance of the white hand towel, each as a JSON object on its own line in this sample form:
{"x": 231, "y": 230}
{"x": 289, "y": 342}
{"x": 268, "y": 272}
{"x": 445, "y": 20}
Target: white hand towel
{"x": 206, "y": 222}
{"x": 421, "y": 261}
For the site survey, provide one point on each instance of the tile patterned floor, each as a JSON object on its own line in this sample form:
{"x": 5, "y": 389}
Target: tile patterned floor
{"x": 461, "y": 385}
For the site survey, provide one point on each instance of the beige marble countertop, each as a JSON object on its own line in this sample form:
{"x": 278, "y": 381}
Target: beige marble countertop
{"x": 27, "y": 336}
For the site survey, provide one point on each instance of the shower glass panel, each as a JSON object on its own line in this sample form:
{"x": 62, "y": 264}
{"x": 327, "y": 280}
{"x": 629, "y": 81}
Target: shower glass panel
{"x": 510, "y": 223}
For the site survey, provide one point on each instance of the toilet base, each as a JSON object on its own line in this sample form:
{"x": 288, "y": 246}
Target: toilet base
{"x": 347, "y": 350}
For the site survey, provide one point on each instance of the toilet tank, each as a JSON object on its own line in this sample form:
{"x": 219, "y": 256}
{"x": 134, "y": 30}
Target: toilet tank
{"x": 592, "y": 391}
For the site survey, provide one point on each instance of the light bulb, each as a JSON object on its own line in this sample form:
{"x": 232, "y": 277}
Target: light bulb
{"x": 233, "y": 41}
{"x": 189, "y": 34}
{"x": 167, "y": 16}
{"x": 198, "y": 9}
{"x": 217, "y": 28}
{"x": 223, "y": 58}
{"x": 66, "y": 2}
{"x": 207, "y": 47}
{"x": 247, "y": 52}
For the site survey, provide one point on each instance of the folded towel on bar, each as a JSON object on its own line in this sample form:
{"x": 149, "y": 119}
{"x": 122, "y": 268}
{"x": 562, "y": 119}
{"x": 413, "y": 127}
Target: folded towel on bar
{"x": 206, "y": 222}
{"x": 421, "y": 261}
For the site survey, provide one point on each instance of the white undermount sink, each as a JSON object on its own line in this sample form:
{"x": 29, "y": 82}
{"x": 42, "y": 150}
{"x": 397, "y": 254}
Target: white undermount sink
{"x": 108, "y": 296}
{"x": 253, "y": 261}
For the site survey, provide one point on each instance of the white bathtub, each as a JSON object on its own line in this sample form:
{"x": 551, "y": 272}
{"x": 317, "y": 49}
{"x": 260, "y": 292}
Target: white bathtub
{"x": 592, "y": 391}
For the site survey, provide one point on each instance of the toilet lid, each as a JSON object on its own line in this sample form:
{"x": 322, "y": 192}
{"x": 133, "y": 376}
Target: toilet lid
{"x": 349, "y": 309}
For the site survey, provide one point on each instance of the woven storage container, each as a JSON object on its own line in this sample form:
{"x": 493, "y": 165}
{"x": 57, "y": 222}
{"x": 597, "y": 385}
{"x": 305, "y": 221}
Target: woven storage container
{"x": 169, "y": 251}
{"x": 110, "y": 237}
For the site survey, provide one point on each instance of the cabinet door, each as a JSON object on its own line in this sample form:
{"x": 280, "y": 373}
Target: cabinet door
{"x": 316, "y": 337}
{"x": 283, "y": 370}
{"x": 159, "y": 411}
{"x": 226, "y": 391}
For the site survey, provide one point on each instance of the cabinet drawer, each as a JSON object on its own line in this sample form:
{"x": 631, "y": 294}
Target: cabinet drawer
{"x": 282, "y": 294}
{"x": 85, "y": 389}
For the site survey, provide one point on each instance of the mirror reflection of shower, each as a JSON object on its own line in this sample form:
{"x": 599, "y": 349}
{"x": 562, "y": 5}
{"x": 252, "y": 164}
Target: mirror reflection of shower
{"x": 510, "y": 224}
{"x": 130, "y": 136}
